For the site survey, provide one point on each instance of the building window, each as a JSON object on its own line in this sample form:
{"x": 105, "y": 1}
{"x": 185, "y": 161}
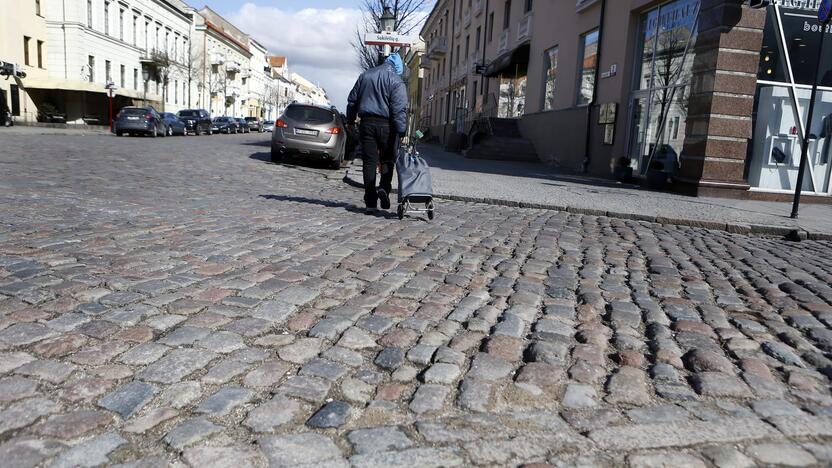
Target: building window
{"x": 146, "y": 29}
{"x": 527, "y": 7}
{"x": 37, "y": 7}
{"x": 477, "y": 40}
{"x": 457, "y": 54}
{"x": 108, "y": 71}
{"x": 136, "y": 79}
{"x": 107, "y": 18}
{"x": 587, "y": 65}
{"x": 123, "y": 72}
{"x": 507, "y": 14}
{"x": 89, "y": 14}
{"x": 121, "y": 24}
{"x": 467, "y": 46}
{"x": 490, "y": 27}
{"x": 91, "y": 66}
{"x": 40, "y": 54}
{"x": 26, "y": 40}
{"x": 176, "y": 91}
{"x": 667, "y": 41}
{"x": 550, "y": 68}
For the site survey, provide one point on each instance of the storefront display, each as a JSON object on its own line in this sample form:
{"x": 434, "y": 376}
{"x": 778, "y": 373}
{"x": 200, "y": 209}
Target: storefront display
{"x": 790, "y": 45}
{"x": 660, "y": 103}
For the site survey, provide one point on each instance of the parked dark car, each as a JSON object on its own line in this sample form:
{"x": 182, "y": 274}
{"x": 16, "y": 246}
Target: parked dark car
{"x": 309, "y": 130}
{"x": 224, "y": 125}
{"x": 244, "y": 127}
{"x": 174, "y": 124}
{"x": 139, "y": 121}
{"x": 255, "y": 124}
{"x": 197, "y": 121}
{"x": 268, "y": 126}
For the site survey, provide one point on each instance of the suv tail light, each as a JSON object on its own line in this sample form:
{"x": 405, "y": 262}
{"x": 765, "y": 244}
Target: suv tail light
{"x": 149, "y": 116}
{"x": 334, "y": 131}
{"x": 280, "y": 124}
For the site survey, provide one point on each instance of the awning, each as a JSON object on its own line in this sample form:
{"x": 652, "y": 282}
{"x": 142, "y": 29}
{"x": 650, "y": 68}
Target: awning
{"x": 519, "y": 56}
{"x": 82, "y": 86}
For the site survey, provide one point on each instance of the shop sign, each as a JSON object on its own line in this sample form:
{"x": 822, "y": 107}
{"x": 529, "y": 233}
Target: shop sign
{"x": 798, "y": 4}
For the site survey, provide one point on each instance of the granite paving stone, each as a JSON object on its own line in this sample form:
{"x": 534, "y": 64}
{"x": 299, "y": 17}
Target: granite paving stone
{"x": 154, "y": 311}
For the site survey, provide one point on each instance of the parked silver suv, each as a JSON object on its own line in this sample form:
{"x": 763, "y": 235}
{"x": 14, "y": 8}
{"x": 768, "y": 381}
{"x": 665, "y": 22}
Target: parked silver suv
{"x": 310, "y": 131}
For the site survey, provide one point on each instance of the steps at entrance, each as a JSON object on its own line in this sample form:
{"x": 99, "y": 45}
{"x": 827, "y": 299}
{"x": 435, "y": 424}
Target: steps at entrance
{"x": 506, "y": 144}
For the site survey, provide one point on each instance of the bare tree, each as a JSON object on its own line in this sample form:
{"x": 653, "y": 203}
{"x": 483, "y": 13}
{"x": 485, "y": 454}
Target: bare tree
{"x": 162, "y": 64}
{"x": 408, "y": 17}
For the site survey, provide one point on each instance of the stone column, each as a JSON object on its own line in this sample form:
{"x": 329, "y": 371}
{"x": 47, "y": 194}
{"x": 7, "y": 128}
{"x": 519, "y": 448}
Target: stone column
{"x": 719, "y": 123}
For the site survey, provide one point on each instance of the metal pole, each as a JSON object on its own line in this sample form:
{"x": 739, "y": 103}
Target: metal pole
{"x": 110, "y": 94}
{"x": 804, "y": 149}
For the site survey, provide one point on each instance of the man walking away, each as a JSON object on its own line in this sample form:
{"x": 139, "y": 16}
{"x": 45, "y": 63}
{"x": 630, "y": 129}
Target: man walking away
{"x": 379, "y": 98}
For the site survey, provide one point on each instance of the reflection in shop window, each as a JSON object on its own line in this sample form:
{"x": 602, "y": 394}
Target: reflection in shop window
{"x": 550, "y": 64}
{"x": 660, "y": 102}
{"x": 588, "y": 61}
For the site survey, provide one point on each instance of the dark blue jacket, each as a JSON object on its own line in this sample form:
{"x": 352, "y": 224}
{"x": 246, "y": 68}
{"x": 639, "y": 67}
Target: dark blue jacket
{"x": 379, "y": 92}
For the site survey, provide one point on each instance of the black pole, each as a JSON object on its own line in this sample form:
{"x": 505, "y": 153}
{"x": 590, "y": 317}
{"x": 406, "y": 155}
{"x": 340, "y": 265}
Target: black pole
{"x": 804, "y": 149}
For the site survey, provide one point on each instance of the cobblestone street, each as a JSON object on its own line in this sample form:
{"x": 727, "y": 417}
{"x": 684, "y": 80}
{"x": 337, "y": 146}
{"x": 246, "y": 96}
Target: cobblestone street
{"x": 182, "y": 301}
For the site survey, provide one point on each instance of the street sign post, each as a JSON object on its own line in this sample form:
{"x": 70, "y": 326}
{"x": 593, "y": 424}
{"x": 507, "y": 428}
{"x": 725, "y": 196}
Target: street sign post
{"x": 111, "y": 91}
{"x": 388, "y": 38}
{"x": 824, "y": 15}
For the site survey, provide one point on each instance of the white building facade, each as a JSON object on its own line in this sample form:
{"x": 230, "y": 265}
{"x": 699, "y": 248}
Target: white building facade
{"x": 139, "y": 47}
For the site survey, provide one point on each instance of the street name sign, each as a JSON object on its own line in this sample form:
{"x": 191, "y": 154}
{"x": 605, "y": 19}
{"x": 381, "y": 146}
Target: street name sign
{"x": 387, "y": 38}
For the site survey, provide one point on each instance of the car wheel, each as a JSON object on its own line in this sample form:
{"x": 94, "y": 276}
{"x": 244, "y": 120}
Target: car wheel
{"x": 210, "y": 131}
{"x": 118, "y": 134}
{"x": 170, "y": 131}
{"x": 276, "y": 156}
{"x": 154, "y": 133}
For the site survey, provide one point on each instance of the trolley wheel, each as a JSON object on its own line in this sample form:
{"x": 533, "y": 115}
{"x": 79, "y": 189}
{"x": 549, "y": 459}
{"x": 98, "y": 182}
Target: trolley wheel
{"x": 400, "y": 211}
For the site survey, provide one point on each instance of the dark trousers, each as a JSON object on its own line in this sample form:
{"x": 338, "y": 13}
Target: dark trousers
{"x": 378, "y": 144}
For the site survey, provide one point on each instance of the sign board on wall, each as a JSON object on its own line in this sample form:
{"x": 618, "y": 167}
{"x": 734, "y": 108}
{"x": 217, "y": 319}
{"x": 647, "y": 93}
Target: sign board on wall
{"x": 607, "y": 113}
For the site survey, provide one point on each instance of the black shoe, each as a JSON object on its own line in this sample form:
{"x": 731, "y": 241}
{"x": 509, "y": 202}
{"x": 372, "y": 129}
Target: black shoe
{"x": 384, "y": 199}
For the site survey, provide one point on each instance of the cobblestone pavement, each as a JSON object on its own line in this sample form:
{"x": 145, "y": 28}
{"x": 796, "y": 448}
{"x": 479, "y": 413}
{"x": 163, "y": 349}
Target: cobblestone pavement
{"x": 182, "y": 301}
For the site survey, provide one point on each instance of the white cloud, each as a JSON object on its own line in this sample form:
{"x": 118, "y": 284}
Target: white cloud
{"x": 317, "y": 42}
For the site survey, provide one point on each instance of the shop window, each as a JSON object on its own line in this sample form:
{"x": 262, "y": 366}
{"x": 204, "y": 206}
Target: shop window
{"x": 667, "y": 40}
{"x": 122, "y": 76}
{"x": 550, "y": 67}
{"x": 781, "y": 105}
{"x": 587, "y": 66}
{"x": 136, "y": 79}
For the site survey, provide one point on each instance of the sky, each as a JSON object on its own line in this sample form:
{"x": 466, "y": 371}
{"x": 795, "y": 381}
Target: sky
{"x": 315, "y": 35}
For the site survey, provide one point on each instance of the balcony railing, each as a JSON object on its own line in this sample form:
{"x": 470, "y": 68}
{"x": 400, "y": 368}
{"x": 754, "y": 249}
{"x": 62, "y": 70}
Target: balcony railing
{"x": 524, "y": 29}
{"x": 438, "y": 47}
{"x": 503, "y": 45}
{"x": 478, "y": 4}
{"x": 216, "y": 59}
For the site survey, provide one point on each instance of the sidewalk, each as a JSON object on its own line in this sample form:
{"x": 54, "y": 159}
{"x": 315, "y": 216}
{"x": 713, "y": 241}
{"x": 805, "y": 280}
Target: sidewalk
{"x": 38, "y": 130}
{"x": 539, "y": 186}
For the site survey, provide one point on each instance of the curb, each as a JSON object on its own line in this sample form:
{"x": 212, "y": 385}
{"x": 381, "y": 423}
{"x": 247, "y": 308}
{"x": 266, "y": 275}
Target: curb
{"x": 761, "y": 230}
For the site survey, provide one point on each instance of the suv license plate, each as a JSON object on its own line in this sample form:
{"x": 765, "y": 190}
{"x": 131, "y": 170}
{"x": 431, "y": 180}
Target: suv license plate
{"x": 300, "y": 131}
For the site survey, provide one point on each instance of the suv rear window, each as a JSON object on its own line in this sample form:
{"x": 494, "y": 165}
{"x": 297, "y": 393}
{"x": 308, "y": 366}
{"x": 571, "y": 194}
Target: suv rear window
{"x": 309, "y": 114}
{"x": 134, "y": 111}
{"x": 188, "y": 113}
{"x": 251, "y": 119}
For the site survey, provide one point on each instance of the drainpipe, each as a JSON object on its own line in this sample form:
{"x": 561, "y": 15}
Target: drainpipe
{"x": 587, "y": 142}
{"x": 450, "y": 75}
